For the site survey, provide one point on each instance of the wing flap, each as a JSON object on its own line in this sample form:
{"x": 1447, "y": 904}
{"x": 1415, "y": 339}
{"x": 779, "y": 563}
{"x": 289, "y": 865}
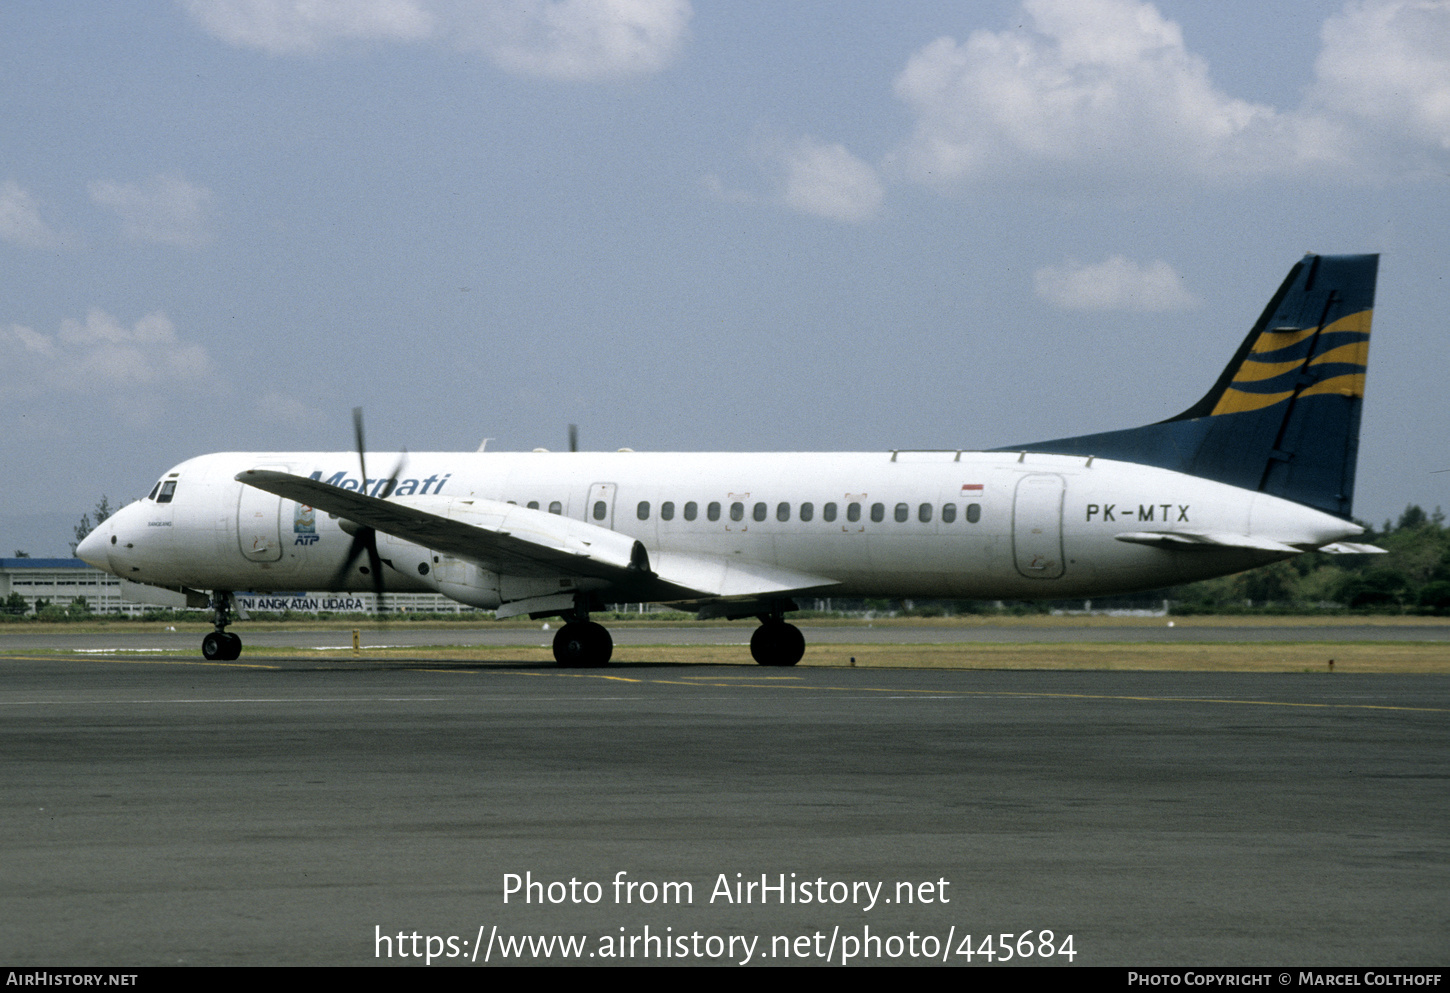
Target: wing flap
{"x": 728, "y": 577}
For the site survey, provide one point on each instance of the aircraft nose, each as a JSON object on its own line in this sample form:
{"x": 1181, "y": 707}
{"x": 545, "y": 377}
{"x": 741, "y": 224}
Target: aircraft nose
{"x": 93, "y": 547}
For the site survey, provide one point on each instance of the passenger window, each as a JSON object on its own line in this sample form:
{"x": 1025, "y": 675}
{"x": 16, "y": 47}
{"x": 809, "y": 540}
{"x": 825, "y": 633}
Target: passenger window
{"x": 782, "y": 512}
{"x": 737, "y": 511}
{"x": 642, "y": 511}
{"x": 808, "y": 510}
{"x": 974, "y": 513}
{"x": 948, "y": 513}
{"x": 828, "y": 512}
{"x": 713, "y": 511}
{"x": 533, "y": 505}
{"x": 667, "y": 511}
{"x": 168, "y": 490}
{"x": 878, "y": 512}
{"x": 555, "y": 507}
{"x": 600, "y": 510}
{"x": 759, "y": 512}
{"x": 923, "y": 513}
{"x": 853, "y": 512}
{"x": 902, "y": 513}
{"x": 691, "y": 510}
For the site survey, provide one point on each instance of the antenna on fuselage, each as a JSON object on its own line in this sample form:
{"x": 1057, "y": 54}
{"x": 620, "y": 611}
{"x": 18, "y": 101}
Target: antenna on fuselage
{"x": 573, "y": 437}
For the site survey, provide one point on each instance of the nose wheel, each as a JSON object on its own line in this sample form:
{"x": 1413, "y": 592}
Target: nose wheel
{"x": 220, "y": 646}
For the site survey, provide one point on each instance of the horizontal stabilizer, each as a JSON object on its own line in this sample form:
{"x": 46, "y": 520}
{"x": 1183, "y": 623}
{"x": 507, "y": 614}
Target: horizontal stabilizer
{"x": 1206, "y": 539}
{"x": 1351, "y": 548}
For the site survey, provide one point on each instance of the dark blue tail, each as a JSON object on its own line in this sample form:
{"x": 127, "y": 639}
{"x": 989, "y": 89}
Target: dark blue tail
{"x": 1284, "y": 416}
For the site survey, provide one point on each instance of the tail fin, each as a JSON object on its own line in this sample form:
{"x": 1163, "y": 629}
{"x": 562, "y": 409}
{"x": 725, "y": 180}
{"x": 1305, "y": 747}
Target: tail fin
{"x": 1284, "y": 416}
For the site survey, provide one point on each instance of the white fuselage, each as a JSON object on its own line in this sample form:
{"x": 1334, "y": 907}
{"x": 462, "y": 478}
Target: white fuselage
{"x": 970, "y": 525}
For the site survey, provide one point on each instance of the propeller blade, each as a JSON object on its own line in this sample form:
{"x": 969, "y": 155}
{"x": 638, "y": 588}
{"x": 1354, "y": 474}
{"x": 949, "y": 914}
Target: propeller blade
{"x": 365, "y": 539}
{"x": 375, "y": 565}
{"x": 354, "y": 549}
{"x": 357, "y": 427}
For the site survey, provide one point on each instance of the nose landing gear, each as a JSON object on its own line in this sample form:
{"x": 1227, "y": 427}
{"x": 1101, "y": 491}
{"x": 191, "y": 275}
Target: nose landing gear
{"x": 219, "y": 646}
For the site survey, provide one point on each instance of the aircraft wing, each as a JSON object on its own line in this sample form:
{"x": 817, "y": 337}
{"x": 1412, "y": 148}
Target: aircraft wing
{"x": 520, "y": 541}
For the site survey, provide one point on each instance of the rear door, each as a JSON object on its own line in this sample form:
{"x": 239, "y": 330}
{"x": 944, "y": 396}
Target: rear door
{"x": 1037, "y": 526}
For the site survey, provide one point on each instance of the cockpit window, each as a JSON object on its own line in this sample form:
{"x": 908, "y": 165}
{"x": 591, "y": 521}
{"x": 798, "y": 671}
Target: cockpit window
{"x": 168, "y": 490}
{"x": 154, "y": 489}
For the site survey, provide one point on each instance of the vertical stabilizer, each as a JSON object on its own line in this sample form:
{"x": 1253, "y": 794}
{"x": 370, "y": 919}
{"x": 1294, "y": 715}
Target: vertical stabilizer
{"x": 1283, "y": 417}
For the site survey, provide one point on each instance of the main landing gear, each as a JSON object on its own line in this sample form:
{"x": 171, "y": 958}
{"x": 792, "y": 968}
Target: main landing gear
{"x": 219, "y": 646}
{"x": 582, "y": 643}
{"x": 777, "y": 643}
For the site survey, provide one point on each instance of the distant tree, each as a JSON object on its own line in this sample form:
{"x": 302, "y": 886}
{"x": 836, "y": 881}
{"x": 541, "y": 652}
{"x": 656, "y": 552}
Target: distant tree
{"x": 1413, "y": 517}
{"x": 21, "y": 555}
{"x": 15, "y": 604}
{"x": 85, "y": 527}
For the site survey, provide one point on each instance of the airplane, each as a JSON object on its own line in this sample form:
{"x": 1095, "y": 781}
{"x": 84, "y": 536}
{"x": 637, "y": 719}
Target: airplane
{"x": 1260, "y": 469}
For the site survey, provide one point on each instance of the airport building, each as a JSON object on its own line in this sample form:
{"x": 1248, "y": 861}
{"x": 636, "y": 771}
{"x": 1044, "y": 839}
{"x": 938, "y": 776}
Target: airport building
{"x": 58, "y": 582}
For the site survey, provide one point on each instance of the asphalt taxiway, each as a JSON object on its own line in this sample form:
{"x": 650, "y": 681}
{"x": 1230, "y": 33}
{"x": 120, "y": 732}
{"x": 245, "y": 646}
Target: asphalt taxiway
{"x": 294, "y": 811}
{"x": 404, "y": 634}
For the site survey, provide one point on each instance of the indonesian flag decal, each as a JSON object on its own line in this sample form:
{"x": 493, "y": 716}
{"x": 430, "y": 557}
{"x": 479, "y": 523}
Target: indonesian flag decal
{"x": 971, "y": 489}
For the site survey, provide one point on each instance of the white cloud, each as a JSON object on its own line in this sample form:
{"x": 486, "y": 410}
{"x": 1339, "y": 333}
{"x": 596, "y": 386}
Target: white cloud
{"x": 20, "y": 220}
{"x": 1387, "y": 63}
{"x": 165, "y": 209}
{"x": 1116, "y": 284}
{"x": 583, "y": 39}
{"x": 576, "y": 40}
{"x": 1103, "y": 84}
{"x": 828, "y": 181}
{"x": 134, "y": 368}
{"x": 288, "y": 27}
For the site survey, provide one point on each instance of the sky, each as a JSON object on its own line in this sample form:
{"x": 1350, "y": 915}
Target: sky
{"x": 692, "y": 225}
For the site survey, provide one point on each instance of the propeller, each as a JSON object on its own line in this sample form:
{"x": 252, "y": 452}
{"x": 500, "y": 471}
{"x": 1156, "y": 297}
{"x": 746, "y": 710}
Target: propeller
{"x": 365, "y": 539}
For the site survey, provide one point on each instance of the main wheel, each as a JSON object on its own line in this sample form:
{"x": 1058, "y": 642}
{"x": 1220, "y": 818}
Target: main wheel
{"x": 583, "y": 644}
{"x": 777, "y": 643}
{"x": 220, "y": 646}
